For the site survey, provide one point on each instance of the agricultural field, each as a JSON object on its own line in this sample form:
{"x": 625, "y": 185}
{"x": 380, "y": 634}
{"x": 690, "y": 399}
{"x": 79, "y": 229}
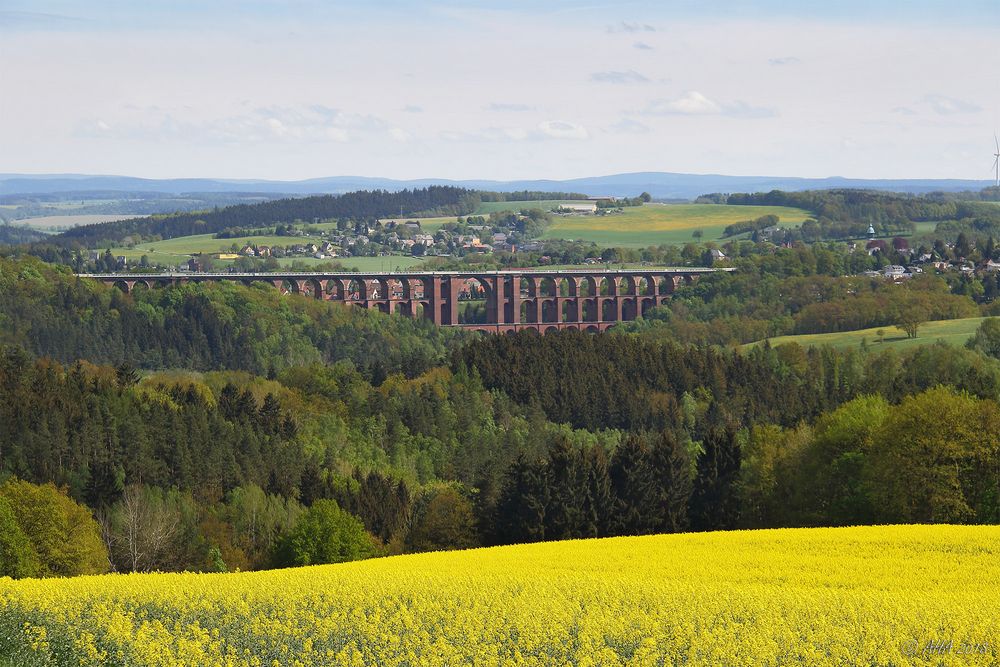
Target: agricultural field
{"x": 655, "y": 224}
{"x": 881, "y": 595}
{"x": 953, "y": 332}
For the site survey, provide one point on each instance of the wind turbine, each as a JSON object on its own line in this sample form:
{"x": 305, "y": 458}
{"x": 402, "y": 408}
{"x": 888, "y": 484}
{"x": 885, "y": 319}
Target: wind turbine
{"x": 996, "y": 160}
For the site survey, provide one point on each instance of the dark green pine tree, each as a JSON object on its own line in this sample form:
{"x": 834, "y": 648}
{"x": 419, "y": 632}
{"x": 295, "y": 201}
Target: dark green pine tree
{"x": 634, "y": 486}
{"x": 673, "y": 483}
{"x": 714, "y": 502}
{"x": 599, "y": 502}
{"x": 567, "y": 482}
{"x": 521, "y": 506}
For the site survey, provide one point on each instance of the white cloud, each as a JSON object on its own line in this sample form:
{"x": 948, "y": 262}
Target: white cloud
{"x": 561, "y": 129}
{"x": 508, "y": 106}
{"x": 691, "y": 103}
{"x": 946, "y": 106}
{"x": 313, "y": 123}
{"x": 623, "y": 77}
{"x": 413, "y": 108}
{"x": 694, "y": 103}
{"x": 629, "y": 126}
{"x": 628, "y": 26}
{"x": 399, "y": 134}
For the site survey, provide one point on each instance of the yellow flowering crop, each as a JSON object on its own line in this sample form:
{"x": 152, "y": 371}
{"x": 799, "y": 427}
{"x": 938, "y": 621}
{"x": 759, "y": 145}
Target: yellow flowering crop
{"x": 895, "y": 595}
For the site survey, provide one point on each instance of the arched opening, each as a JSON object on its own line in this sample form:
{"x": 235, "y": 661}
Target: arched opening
{"x": 529, "y": 312}
{"x": 646, "y": 285}
{"x": 628, "y": 310}
{"x": 420, "y": 310}
{"x": 593, "y": 329}
{"x": 473, "y": 302}
{"x": 567, "y": 287}
{"x": 608, "y": 287}
{"x": 312, "y": 289}
{"x": 383, "y": 306}
{"x": 356, "y": 290}
{"x": 420, "y": 288}
{"x": 569, "y": 313}
{"x": 550, "y": 311}
{"x": 384, "y": 288}
{"x": 140, "y": 286}
{"x": 288, "y": 287}
{"x": 334, "y": 290}
{"x": 551, "y": 329}
{"x": 122, "y": 285}
{"x": 646, "y": 305}
{"x": 589, "y": 310}
{"x": 547, "y": 287}
{"x": 609, "y": 311}
{"x": 528, "y": 288}
{"x": 588, "y": 286}
{"x": 626, "y": 285}
{"x": 666, "y": 285}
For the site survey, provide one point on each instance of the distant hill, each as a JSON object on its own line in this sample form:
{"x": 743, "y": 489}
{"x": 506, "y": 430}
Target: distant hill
{"x": 662, "y": 185}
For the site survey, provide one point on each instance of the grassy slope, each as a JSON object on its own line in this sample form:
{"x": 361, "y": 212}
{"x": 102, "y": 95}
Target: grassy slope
{"x": 821, "y": 596}
{"x": 654, "y": 224}
{"x": 953, "y": 332}
{"x": 178, "y": 250}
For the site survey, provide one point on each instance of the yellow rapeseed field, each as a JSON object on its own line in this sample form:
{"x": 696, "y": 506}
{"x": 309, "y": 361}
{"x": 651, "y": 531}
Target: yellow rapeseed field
{"x": 848, "y": 596}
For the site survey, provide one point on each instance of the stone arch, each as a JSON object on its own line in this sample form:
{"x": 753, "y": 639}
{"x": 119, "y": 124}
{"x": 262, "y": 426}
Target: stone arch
{"x": 334, "y": 289}
{"x": 551, "y": 329}
{"x": 666, "y": 285}
{"x": 629, "y": 308}
{"x": 550, "y": 310}
{"x": 593, "y": 328}
{"x": 287, "y": 286}
{"x": 626, "y": 285}
{"x": 529, "y": 311}
{"x": 588, "y": 286}
{"x": 312, "y": 288}
{"x": 645, "y": 285}
{"x": 646, "y": 305}
{"x": 141, "y": 286}
{"x": 568, "y": 287}
{"x": 356, "y": 290}
{"x": 474, "y": 296}
{"x": 589, "y": 310}
{"x": 122, "y": 285}
{"x": 567, "y": 311}
{"x": 547, "y": 287}
{"x": 609, "y": 310}
{"x": 608, "y": 286}
{"x": 528, "y": 287}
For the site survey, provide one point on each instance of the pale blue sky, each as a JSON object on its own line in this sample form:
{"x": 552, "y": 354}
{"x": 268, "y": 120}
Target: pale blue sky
{"x": 515, "y": 89}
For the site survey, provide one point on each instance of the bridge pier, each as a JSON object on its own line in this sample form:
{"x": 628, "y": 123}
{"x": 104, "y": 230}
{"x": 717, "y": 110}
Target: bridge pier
{"x": 550, "y": 300}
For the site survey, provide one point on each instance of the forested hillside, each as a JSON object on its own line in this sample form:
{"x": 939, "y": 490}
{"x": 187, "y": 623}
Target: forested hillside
{"x": 218, "y": 416}
{"x": 364, "y": 205}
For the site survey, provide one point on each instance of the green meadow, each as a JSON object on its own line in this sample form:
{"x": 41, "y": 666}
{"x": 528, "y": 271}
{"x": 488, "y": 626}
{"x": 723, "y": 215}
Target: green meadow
{"x": 953, "y": 332}
{"x": 178, "y": 250}
{"x": 655, "y": 224}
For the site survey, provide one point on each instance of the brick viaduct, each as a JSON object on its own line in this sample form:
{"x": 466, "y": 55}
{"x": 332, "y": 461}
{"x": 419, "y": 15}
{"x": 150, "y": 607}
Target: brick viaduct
{"x": 508, "y": 300}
